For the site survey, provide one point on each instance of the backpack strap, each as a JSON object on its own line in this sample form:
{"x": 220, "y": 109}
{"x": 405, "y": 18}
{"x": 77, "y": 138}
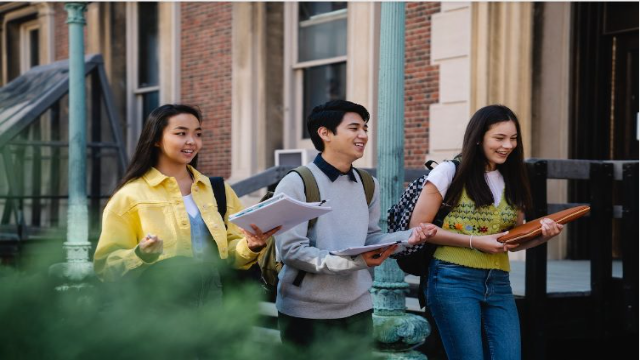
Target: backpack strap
{"x": 429, "y": 164}
{"x": 312, "y": 194}
{"x": 217, "y": 183}
{"x": 367, "y": 183}
{"x": 445, "y": 209}
{"x": 311, "y": 191}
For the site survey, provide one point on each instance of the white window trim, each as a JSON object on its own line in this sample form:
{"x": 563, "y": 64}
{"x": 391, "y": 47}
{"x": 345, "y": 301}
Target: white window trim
{"x": 25, "y": 44}
{"x": 46, "y": 22}
{"x": 169, "y": 65}
{"x": 363, "y": 23}
{"x": 320, "y": 62}
{"x": 325, "y": 18}
{"x": 294, "y": 73}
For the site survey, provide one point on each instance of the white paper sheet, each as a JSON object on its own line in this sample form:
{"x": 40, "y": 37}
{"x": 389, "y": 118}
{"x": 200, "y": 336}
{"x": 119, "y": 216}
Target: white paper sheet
{"x": 279, "y": 210}
{"x": 357, "y": 250}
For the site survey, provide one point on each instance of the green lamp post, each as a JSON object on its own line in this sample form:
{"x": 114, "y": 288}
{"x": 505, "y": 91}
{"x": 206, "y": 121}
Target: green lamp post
{"x": 77, "y": 267}
{"x": 396, "y": 332}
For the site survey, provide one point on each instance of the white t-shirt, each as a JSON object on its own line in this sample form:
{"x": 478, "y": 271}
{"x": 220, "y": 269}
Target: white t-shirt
{"x": 442, "y": 176}
{"x": 190, "y": 205}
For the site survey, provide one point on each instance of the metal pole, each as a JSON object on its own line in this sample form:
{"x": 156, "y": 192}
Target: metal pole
{"x": 396, "y": 332}
{"x": 77, "y": 267}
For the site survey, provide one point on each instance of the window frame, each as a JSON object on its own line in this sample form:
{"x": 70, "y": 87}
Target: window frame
{"x": 169, "y": 16}
{"x": 294, "y": 73}
{"x": 25, "y": 44}
{"x": 44, "y": 17}
{"x": 136, "y": 94}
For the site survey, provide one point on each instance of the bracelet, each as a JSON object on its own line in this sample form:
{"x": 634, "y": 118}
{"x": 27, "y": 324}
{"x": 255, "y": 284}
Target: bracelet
{"x": 470, "y": 242}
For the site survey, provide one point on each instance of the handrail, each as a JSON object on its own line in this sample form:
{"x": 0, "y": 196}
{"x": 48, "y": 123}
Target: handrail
{"x": 601, "y": 176}
{"x": 577, "y": 169}
{"x": 273, "y": 175}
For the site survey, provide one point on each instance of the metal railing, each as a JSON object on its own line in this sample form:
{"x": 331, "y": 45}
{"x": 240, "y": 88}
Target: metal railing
{"x": 600, "y": 176}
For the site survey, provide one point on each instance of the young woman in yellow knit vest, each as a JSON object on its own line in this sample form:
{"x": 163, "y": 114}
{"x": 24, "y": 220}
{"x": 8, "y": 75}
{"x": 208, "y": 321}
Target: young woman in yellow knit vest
{"x": 468, "y": 292}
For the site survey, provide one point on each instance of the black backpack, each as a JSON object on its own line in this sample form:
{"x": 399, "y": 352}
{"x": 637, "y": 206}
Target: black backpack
{"x": 415, "y": 260}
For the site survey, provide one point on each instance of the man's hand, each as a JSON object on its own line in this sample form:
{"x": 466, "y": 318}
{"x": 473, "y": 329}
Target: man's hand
{"x": 421, "y": 233}
{"x": 378, "y": 256}
{"x": 258, "y": 240}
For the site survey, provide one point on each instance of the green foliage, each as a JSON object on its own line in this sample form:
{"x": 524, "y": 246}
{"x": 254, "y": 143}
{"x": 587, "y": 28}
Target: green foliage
{"x": 131, "y": 320}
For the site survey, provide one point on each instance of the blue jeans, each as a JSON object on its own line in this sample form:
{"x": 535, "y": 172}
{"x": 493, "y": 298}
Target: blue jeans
{"x": 475, "y": 312}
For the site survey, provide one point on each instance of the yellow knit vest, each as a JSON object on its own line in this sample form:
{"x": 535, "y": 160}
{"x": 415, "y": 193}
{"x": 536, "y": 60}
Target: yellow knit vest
{"x": 468, "y": 220}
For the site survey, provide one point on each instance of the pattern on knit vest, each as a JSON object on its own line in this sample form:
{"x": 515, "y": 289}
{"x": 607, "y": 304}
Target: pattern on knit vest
{"x": 466, "y": 219}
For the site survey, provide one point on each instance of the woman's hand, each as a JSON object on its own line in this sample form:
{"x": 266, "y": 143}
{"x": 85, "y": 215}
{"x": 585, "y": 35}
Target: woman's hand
{"x": 378, "y": 256}
{"x": 151, "y": 245}
{"x": 421, "y": 233}
{"x": 488, "y": 244}
{"x": 550, "y": 229}
{"x": 149, "y": 248}
{"x": 258, "y": 240}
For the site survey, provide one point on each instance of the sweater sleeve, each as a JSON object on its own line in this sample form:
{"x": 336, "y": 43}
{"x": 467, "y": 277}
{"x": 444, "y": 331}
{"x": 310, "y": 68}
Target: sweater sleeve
{"x": 294, "y": 247}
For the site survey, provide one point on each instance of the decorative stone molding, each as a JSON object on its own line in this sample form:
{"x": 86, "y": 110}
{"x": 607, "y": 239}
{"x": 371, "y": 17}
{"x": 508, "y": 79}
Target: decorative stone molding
{"x": 501, "y": 61}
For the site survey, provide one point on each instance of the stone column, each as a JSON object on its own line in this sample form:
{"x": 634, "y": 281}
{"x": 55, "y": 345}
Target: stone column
{"x": 396, "y": 332}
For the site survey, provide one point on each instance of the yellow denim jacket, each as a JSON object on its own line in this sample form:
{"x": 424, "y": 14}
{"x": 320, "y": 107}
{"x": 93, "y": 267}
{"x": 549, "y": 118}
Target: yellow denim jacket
{"x": 153, "y": 204}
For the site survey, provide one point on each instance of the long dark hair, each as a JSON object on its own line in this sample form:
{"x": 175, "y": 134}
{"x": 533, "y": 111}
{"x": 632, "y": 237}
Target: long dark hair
{"x": 146, "y": 154}
{"x": 470, "y": 173}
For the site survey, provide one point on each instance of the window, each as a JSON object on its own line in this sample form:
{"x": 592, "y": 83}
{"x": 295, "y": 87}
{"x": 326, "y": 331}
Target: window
{"x": 30, "y": 45}
{"x": 143, "y": 66}
{"x": 27, "y": 37}
{"x": 320, "y": 65}
{"x": 148, "y": 80}
{"x": 21, "y": 46}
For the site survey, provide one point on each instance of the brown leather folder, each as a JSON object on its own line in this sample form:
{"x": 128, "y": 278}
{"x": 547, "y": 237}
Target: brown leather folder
{"x": 533, "y": 228}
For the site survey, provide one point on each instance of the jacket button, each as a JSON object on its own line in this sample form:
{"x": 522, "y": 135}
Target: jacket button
{"x": 184, "y": 222}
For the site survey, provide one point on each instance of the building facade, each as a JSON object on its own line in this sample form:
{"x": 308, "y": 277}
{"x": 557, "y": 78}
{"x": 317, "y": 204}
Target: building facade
{"x": 255, "y": 69}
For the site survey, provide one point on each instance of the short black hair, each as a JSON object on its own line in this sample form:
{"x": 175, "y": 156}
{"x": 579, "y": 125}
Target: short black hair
{"x": 330, "y": 115}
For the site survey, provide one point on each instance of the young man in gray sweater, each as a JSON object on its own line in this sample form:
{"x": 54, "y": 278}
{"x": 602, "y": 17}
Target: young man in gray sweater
{"x": 334, "y": 293}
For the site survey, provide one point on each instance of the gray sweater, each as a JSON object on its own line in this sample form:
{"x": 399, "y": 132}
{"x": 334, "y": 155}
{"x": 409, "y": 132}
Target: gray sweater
{"x": 335, "y": 286}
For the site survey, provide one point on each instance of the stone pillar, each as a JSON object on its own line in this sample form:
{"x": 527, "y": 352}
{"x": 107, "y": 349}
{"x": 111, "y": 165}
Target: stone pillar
{"x": 396, "y": 332}
{"x": 77, "y": 267}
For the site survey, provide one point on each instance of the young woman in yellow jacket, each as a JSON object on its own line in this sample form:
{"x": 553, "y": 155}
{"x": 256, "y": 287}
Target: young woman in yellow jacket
{"x": 164, "y": 208}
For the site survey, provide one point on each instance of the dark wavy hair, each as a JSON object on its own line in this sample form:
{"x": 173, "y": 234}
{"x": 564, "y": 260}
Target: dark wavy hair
{"x": 473, "y": 162}
{"x": 146, "y": 154}
{"x": 330, "y": 115}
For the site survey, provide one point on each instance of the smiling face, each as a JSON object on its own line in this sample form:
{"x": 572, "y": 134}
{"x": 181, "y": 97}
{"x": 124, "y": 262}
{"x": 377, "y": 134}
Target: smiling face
{"x": 498, "y": 142}
{"x": 349, "y": 140}
{"x": 181, "y": 140}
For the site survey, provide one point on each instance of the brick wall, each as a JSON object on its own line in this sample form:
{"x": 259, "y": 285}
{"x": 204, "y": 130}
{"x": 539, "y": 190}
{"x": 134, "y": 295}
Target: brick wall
{"x": 61, "y": 32}
{"x": 421, "y": 81}
{"x": 206, "y": 78}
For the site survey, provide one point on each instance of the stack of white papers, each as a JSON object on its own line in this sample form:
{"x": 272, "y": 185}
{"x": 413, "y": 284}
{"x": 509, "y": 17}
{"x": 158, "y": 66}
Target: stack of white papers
{"x": 357, "y": 250}
{"x": 279, "y": 210}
